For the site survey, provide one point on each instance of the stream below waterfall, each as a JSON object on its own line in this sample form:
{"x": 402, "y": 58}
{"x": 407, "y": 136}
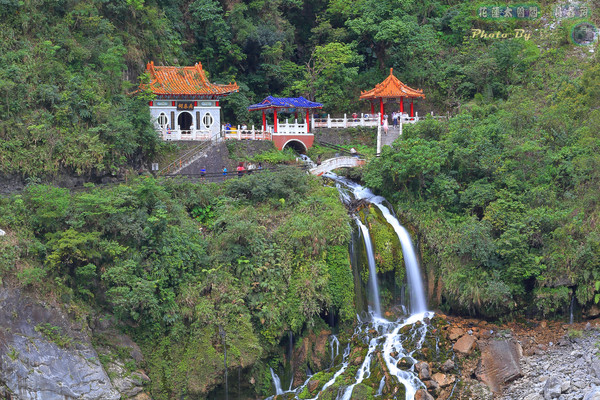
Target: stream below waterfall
{"x": 390, "y": 345}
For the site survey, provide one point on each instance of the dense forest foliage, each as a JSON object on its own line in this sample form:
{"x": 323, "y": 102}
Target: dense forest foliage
{"x": 189, "y": 268}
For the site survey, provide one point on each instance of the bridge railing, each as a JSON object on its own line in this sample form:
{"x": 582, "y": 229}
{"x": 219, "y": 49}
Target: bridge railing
{"x": 335, "y": 163}
{"x": 366, "y": 120}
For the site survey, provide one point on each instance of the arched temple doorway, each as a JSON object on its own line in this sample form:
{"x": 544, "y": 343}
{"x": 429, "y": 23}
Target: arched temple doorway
{"x": 184, "y": 121}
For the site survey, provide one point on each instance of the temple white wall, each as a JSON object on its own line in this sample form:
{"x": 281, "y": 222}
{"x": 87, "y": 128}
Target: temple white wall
{"x": 205, "y": 118}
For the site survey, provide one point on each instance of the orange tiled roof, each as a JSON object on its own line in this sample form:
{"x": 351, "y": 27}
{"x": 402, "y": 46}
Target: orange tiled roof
{"x": 184, "y": 81}
{"x": 391, "y": 87}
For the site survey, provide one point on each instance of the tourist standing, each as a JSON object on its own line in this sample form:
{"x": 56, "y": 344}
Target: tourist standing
{"x": 224, "y": 172}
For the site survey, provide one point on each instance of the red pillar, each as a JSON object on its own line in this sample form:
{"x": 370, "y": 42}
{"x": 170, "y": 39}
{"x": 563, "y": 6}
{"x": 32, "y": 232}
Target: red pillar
{"x": 264, "y": 121}
{"x": 372, "y": 108}
{"x": 275, "y": 120}
{"x": 217, "y": 103}
{"x": 296, "y": 116}
{"x": 412, "y": 110}
{"x": 381, "y": 110}
{"x": 402, "y": 104}
{"x": 307, "y": 122}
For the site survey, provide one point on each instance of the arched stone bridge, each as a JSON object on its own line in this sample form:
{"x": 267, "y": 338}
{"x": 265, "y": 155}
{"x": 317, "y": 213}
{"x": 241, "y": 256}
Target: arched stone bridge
{"x": 335, "y": 163}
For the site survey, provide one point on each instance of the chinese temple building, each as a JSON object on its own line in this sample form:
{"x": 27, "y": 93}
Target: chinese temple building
{"x": 186, "y": 106}
{"x": 391, "y": 90}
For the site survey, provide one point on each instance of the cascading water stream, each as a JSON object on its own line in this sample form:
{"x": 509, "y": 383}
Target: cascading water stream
{"x": 372, "y": 268}
{"x": 276, "y": 382}
{"x": 413, "y": 274}
{"x": 291, "y": 358}
{"x": 334, "y": 353}
{"x": 571, "y": 308}
{"x": 384, "y": 338}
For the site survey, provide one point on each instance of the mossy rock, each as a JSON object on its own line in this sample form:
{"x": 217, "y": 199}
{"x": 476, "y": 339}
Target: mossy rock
{"x": 363, "y": 392}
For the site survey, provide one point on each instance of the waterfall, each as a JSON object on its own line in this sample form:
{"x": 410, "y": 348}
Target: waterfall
{"x": 276, "y": 383}
{"x": 291, "y": 358}
{"x": 413, "y": 274}
{"x": 372, "y": 268}
{"x": 417, "y": 293}
{"x": 571, "y": 307}
{"x": 334, "y": 354}
{"x": 384, "y": 338}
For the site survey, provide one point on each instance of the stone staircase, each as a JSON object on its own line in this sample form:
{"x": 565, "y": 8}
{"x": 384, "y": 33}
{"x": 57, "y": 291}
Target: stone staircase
{"x": 189, "y": 157}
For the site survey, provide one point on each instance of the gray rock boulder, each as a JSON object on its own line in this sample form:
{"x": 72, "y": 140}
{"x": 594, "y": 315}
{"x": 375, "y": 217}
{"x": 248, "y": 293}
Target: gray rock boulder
{"x": 594, "y": 394}
{"x": 46, "y": 356}
{"x": 552, "y": 388}
{"x": 594, "y": 366}
{"x": 447, "y": 365}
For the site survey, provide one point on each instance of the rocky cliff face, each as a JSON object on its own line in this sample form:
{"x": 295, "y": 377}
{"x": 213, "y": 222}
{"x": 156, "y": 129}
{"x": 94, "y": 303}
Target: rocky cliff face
{"x": 45, "y": 355}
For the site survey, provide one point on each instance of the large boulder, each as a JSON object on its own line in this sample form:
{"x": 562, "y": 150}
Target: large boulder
{"x": 499, "y": 363}
{"x": 455, "y": 332}
{"x": 465, "y": 345}
{"x": 423, "y": 395}
{"x": 443, "y": 380}
{"x": 46, "y": 355}
{"x": 552, "y": 388}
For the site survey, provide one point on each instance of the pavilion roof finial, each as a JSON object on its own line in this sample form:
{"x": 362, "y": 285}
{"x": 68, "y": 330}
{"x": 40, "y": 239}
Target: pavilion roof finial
{"x": 391, "y": 71}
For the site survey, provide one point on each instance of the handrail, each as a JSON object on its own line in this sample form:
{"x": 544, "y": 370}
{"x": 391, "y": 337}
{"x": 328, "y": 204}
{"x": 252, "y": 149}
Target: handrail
{"x": 179, "y": 163}
{"x": 339, "y": 148}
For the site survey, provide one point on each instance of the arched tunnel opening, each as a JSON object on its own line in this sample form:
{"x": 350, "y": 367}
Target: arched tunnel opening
{"x": 296, "y": 145}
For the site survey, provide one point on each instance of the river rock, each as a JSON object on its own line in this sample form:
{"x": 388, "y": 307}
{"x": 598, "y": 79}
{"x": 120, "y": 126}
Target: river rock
{"x": 552, "y": 388}
{"x": 594, "y": 367}
{"x": 405, "y": 363}
{"x": 464, "y": 345}
{"x": 313, "y": 385}
{"x": 59, "y": 367}
{"x": 422, "y": 394}
{"x": 455, "y": 332}
{"x": 594, "y": 394}
{"x": 447, "y": 365}
{"x": 423, "y": 370}
{"x": 431, "y": 385}
{"x": 534, "y": 396}
{"x": 443, "y": 380}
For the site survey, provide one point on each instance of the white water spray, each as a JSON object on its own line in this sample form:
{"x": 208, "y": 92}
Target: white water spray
{"x": 413, "y": 274}
{"x": 276, "y": 382}
{"x": 372, "y": 268}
